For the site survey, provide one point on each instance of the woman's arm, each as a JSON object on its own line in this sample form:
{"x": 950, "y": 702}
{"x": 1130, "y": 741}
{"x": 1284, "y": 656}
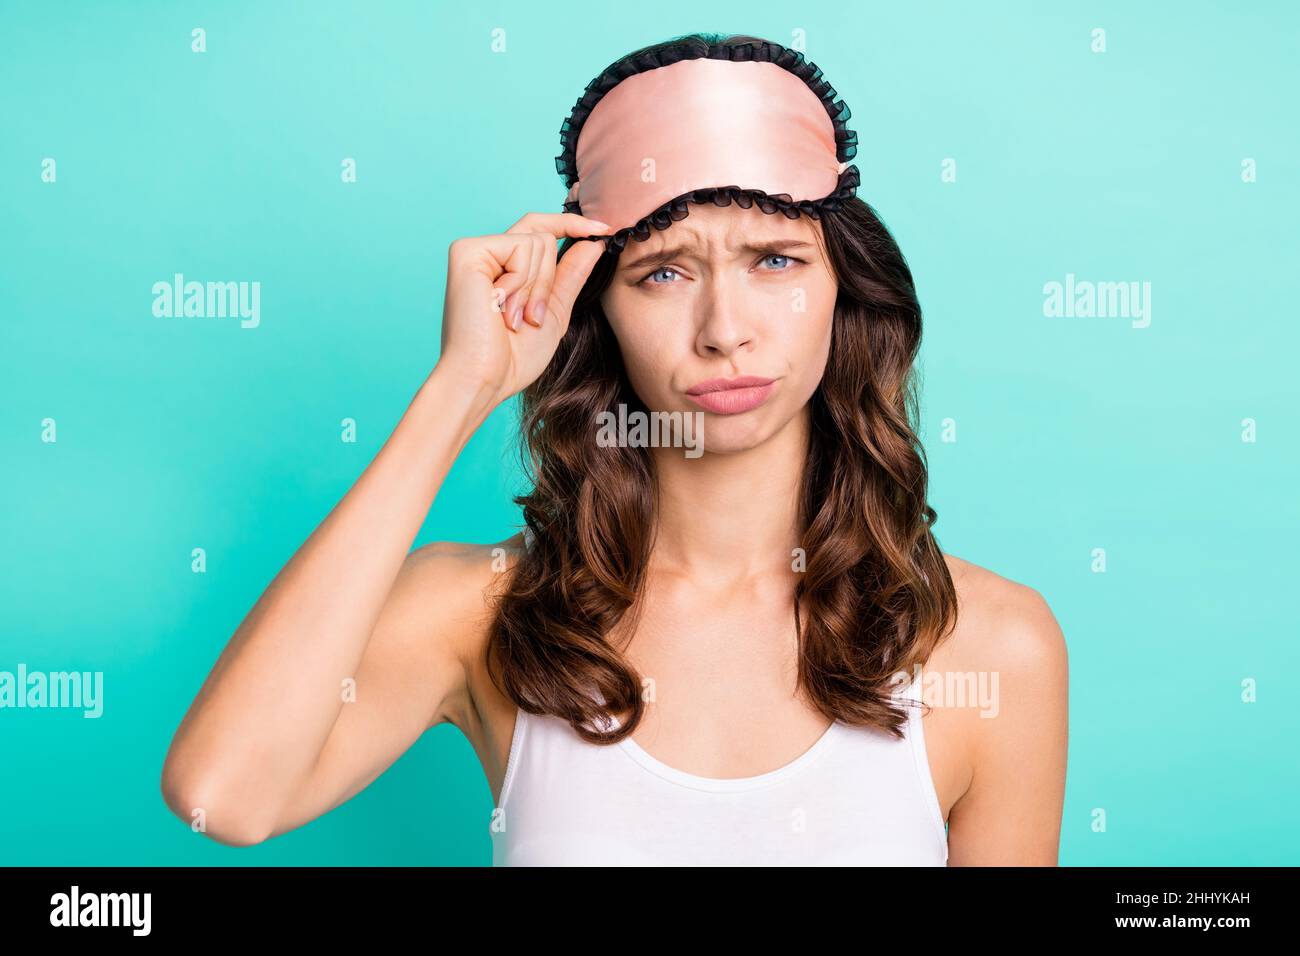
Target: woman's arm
{"x": 274, "y": 737}
{"x": 262, "y": 720}
{"x": 1011, "y": 813}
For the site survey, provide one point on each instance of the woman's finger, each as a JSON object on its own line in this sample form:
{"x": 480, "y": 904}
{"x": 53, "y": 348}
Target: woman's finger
{"x": 539, "y": 299}
{"x": 502, "y": 289}
{"x": 559, "y": 224}
{"x": 512, "y": 262}
{"x": 572, "y": 271}
{"x": 537, "y": 250}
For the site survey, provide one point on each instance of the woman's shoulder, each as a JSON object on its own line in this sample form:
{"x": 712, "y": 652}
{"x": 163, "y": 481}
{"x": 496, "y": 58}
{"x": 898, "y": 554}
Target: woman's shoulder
{"x": 1006, "y": 633}
{"x": 1002, "y": 678}
{"x": 450, "y": 587}
{"x": 456, "y": 581}
{"x": 466, "y": 555}
{"x": 468, "y": 568}
{"x": 1008, "y": 642}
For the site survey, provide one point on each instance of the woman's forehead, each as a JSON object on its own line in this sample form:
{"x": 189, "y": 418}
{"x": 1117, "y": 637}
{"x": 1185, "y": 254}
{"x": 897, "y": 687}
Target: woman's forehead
{"x": 723, "y": 229}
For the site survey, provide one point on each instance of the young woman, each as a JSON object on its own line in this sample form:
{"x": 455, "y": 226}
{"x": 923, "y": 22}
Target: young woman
{"x": 685, "y": 658}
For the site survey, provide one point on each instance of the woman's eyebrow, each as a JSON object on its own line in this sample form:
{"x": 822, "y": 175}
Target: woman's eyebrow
{"x": 670, "y": 253}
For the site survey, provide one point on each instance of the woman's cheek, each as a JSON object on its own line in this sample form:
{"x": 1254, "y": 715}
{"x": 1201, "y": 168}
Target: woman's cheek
{"x": 643, "y": 359}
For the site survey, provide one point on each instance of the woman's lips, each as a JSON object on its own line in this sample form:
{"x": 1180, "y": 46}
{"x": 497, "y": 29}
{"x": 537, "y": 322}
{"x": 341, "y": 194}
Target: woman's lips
{"x": 731, "y": 398}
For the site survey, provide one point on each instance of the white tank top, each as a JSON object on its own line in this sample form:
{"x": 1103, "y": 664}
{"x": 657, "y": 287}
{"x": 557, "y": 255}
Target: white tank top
{"x": 857, "y": 797}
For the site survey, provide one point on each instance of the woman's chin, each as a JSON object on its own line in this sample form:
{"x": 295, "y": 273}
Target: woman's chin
{"x": 731, "y": 434}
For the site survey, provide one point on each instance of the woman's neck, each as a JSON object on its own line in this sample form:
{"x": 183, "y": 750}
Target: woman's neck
{"x": 731, "y": 517}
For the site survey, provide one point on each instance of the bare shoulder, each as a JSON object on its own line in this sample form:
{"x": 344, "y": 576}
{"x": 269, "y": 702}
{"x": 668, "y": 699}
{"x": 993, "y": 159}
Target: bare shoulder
{"x": 473, "y": 577}
{"x": 468, "y": 564}
{"x": 442, "y": 598}
{"x": 455, "y": 583}
{"x": 1002, "y": 625}
{"x": 1006, "y": 657}
{"x": 1009, "y": 649}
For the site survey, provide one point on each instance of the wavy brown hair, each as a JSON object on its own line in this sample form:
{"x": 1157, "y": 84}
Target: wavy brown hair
{"x": 875, "y": 596}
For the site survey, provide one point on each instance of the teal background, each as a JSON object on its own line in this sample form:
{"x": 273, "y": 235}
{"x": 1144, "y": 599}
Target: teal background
{"x": 1073, "y": 434}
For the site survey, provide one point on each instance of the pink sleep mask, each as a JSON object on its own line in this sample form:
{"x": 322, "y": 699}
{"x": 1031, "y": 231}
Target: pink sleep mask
{"x": 691, "y": 122}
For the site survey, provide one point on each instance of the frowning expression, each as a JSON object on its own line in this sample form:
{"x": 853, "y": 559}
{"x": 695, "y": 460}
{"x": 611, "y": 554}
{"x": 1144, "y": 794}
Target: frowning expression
{"x": 726, "y": 312}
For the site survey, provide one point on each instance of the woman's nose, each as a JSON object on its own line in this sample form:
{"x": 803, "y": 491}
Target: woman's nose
{"x": 725, "y": 323}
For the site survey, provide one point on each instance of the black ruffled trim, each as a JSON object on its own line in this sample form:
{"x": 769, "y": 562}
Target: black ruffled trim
{"x": 691, "y": 48}
{"x": 676, "y": 209}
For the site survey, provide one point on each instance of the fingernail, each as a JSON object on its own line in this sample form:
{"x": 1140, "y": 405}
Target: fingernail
{"x": 516, "y": 316}
{"x": 601, "y": 225}
{"x": 535, "y": 312}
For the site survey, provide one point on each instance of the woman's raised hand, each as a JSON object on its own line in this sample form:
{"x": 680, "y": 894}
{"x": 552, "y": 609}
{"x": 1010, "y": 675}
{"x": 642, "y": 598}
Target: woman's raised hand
{"x": 508, "y": 302}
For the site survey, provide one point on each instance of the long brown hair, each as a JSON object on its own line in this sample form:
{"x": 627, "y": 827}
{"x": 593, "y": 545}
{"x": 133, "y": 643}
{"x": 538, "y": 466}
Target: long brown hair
{"x": 875, "y": 596}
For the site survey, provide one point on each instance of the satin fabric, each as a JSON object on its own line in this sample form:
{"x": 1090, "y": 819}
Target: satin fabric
{"x": 700, "y": 123}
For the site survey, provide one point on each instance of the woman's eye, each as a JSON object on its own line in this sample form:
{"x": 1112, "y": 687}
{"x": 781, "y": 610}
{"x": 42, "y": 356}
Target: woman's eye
{"x": 783, "y": 264}
{"x": 660, "y": 271}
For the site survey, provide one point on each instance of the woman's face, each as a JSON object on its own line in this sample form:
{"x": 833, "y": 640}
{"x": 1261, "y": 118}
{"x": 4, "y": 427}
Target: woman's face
{"x": 724, "y": 293}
